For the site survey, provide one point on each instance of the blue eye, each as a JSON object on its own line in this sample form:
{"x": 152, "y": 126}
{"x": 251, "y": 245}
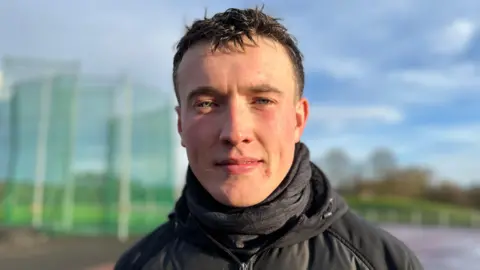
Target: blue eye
{"x": 264, "y": 101}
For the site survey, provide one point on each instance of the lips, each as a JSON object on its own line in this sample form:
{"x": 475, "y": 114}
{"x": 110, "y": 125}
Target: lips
{"x": 239, "y": 166}
{"x": 237, "y": 161}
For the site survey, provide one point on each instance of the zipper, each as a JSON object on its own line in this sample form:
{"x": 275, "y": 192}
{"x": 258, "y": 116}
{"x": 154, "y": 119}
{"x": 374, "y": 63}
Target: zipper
{"x": 326, "y": 214}
{"x": 219, "y": 245}
{"x": 244, "y": 266}
{"x": 249, "y": 264}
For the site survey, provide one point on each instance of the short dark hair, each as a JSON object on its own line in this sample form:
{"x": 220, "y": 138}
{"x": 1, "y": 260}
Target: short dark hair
{"x": 232, "y": 26}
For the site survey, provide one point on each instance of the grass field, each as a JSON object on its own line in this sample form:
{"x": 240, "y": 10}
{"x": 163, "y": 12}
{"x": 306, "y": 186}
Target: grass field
{"x": 94, "y": 208}
{"x": 91, "y": 219}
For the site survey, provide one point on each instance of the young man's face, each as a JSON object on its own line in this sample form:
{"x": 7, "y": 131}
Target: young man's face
{"x": 239, "y": 119}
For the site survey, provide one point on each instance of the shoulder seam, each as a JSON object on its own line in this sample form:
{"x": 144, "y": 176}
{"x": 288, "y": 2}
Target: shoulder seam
{"x": 354, "y": 250}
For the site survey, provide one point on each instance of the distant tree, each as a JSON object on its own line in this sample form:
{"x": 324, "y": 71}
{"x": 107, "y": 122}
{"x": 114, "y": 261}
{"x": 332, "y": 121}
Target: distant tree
{"x": 411, "y": 182}
{"x": 473, "y": 194}
{"x": 407, "y": 182}
{"x": 448, "y": 192}
{"x": 358, "y": 176}
{"x": 338, "y": 167}
{"x": 382, "y": 162}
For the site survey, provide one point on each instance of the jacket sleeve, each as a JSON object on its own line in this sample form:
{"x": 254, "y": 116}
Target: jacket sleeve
{"x": 414, "y": 262}
{"x": 399, "y": 254}
{"x": 377, "y": 247}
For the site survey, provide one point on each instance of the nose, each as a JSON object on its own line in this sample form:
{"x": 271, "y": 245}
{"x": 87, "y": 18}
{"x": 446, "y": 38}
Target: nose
{"x": 236, "y": 126}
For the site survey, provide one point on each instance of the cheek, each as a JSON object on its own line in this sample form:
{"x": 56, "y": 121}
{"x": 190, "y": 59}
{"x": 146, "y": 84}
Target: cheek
{"x": 199, "y": 131}
{"x": 277, "y": 123}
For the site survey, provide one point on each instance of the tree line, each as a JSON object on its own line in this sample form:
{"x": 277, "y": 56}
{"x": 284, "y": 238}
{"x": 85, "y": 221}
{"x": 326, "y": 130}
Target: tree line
{"x": 381, "y": 175}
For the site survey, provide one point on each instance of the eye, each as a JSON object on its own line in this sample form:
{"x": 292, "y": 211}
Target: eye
{"x": 204, "y": 104}
{"x": 263, "y": 101}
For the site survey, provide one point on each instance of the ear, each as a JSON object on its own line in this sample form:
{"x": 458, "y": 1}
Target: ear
{"x": 301, "y": 113}
{"x": 179, "y": 124}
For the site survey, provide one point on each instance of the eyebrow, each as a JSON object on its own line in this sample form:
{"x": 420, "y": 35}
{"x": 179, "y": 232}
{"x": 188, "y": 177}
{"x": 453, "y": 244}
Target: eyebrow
{"x": 212, "y": 91}
{"x": 265, "y": 88}
{"x": 200, "y": 91}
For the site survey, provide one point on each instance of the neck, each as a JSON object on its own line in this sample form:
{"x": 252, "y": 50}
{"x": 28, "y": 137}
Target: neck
{"x": 288, "y": 202}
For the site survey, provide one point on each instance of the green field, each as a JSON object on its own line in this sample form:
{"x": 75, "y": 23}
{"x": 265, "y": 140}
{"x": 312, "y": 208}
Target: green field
{"x": 94, "y": 208}
{"x": 406, "y": 211}
{"x": 91, "y": 219}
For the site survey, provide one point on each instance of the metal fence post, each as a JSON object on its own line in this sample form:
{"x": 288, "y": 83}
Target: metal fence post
{"x": 125, "y": 174}
{"x": 69, "y": 193}
{"x": 42, "y": 141}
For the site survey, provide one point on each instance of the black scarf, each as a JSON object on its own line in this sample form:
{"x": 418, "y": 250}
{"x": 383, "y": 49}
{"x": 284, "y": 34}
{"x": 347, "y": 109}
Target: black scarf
{"x": 289, "y": 201}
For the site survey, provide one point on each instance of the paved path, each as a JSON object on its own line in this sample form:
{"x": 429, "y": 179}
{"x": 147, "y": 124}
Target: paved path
{"x": 442, "y": 249}
{"x": 66, "y": 253}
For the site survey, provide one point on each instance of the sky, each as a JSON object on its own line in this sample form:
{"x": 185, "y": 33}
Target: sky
{"x": 400, "y": 74}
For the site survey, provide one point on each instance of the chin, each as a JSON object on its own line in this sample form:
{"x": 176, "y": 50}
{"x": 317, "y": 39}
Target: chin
{"x": 238, "y": 195}
{"x": 237, "y": 190}
{"x": 236, "y": 202}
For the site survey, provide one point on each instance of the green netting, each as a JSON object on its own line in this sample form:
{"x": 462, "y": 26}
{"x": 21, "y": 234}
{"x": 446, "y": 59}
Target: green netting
{"x": 74, "y": 148}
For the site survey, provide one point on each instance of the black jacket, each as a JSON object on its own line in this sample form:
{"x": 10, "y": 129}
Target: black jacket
{"x": 332, "y": 237}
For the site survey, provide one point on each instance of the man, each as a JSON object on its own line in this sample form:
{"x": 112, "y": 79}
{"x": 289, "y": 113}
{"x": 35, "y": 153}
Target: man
{"x": 253, "y": 199}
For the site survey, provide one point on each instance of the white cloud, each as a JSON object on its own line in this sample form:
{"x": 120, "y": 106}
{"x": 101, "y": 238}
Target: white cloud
{"x": 336, "y": 118}
{"x": 462, "y": 76}
{"x": 464, "y": 134}
{"x": 455, "y": 37}
{"x": 339, "y": 68}
{"x": 387, "y": 50}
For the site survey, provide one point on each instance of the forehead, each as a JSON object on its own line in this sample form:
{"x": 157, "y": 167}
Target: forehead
{"x": 263, "y": 63}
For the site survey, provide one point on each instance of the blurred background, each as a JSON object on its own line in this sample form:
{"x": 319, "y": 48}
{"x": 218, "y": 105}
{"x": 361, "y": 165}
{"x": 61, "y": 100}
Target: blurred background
{"x": 90, "y": 159}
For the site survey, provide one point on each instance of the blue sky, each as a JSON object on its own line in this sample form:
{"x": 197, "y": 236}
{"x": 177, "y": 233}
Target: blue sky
{"x": 402, "y": 74}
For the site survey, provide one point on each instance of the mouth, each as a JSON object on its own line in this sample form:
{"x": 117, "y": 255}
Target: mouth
{"x": 237, "y": 166}
{"x": 237, "y": 161}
